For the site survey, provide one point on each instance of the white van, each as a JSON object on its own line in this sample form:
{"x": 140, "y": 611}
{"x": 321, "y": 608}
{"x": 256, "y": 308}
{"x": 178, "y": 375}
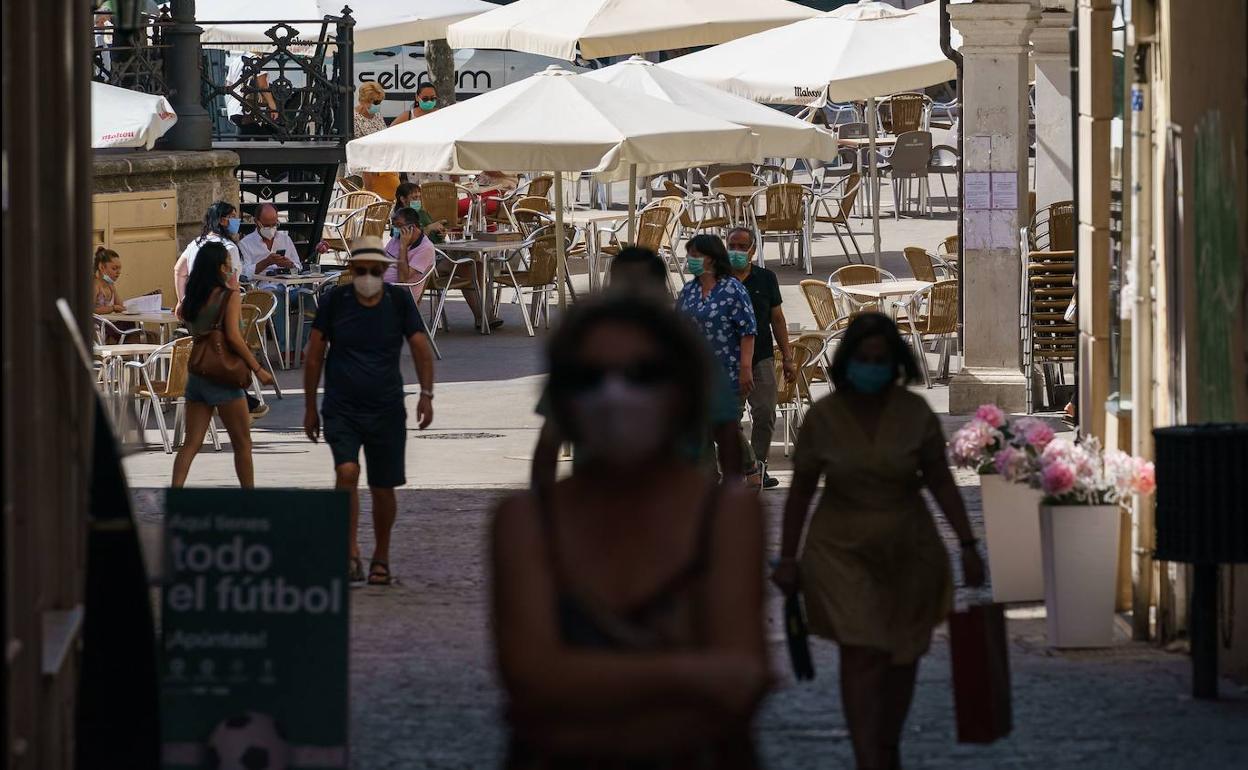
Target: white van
{"x": 401, "y": 70}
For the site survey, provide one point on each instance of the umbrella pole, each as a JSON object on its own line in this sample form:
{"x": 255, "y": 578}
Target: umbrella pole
{"x": 561, "y": 254}
{"x": 875, "y": 179}
{"x": 632, "y": 202}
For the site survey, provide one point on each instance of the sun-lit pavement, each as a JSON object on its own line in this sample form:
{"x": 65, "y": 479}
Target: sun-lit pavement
{"x": 423, "y": 692}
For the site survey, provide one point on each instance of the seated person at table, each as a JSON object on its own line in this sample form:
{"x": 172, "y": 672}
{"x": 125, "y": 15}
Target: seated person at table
{"x": 407, "y": 196}
{"x": 107, "y": 271}
{"x": 406, "y": 237}
{"x": 267, "y": 248}
{"x": 406, "y": 233}
{"x": 493, "y": 184}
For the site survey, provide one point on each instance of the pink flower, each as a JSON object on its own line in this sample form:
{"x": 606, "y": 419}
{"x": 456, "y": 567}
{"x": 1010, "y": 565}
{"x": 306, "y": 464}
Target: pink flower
{"x": 1058, "y": 450}
{"x": 991, "y": 414}
{"x": 968, "y": 447}
{"x": 1011, "y": 463}
{"x": 1145, "y": 477}
{"x": 1036, "y": 433}
{"x": 1057, "y": 479}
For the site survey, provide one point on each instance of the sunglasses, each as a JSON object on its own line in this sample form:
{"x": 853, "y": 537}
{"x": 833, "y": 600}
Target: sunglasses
{"x": 363, "y": 271}
{"x": 641, "y": 374}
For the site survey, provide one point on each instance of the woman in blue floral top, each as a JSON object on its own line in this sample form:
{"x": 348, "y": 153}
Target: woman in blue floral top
{"x": 721, "y": 308}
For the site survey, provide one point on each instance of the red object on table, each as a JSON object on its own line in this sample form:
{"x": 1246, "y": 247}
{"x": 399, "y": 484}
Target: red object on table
{"x": 981, "y": 673}
{"x": 489, "y": 198}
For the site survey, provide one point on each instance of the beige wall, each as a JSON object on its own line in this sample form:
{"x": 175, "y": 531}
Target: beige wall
{"x": 142, "y": 228}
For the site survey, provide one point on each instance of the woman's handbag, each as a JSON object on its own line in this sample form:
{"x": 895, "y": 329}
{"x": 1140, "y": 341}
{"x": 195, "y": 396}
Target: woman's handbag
{"x": 981, "y": 673}
{"x": 213, "y": 359}
{"x": 798, "y": 637}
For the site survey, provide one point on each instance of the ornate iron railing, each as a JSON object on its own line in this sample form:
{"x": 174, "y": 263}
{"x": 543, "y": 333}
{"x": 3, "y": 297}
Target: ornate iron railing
{"x": 135, "y": 59}
{"x": 285, "y": 88}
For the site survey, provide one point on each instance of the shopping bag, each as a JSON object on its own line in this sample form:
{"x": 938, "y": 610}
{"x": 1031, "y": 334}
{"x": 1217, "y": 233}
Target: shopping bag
{"x": 981, "y": 673}
{"x": 798, "y": 637}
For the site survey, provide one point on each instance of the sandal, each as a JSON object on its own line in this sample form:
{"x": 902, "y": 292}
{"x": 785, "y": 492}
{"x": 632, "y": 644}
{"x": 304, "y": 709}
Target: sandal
{"x": 355, "y": 570}
{"x": 379, "y": 573}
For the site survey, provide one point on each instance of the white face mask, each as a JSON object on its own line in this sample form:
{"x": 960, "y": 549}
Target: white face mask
{"x": 368, "y": 286}
{"x": 267, "y": 233}
{"x": 621, "y": 423}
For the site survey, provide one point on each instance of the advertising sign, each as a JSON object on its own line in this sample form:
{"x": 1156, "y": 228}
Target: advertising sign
{"x": 254, "y": 627}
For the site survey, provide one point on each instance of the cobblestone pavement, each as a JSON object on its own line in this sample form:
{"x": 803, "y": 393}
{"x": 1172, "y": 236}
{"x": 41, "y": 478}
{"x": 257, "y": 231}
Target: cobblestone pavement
{"x": 424, "y": 696}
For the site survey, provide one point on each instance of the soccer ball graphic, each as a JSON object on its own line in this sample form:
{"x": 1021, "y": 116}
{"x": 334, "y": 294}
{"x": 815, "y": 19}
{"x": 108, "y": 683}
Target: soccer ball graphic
{"x": 249, "y": 741}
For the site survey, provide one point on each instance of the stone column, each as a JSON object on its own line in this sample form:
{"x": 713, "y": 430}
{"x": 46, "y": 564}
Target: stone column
{"x": 995, "y": 51}
{"x": 1050, "y": 42}
{"x": 1096, "y": 112}
{"x": 193, "y": 131}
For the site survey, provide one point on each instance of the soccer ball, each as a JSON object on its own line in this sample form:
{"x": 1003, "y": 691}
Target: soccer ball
{"x": 249, "y": 741}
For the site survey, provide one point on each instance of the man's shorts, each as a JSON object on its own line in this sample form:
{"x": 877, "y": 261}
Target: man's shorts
{"x": 383, "y": 436}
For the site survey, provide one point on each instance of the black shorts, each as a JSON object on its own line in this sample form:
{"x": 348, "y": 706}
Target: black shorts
{"x": 383, "y": 436}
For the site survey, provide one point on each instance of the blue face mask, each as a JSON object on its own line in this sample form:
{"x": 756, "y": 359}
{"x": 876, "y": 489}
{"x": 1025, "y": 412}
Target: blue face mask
{"x": 696, "y": 266}
{"x": 374, "y": 109}
{"x": 428, "y": 104}
{"x": 739, "y": 259}
{"x": 415, "y": 205}
{"x": 869, "y": 378}
{"x": 232, "y": 224}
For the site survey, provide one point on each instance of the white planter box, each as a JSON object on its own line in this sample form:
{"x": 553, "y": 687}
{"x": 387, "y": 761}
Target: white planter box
{"x": 1079, "y": 544}
{"x": 1012, "y": 529}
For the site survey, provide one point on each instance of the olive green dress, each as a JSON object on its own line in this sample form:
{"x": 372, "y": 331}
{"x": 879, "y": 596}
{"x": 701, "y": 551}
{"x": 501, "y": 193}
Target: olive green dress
{"x": 874, "y": 570}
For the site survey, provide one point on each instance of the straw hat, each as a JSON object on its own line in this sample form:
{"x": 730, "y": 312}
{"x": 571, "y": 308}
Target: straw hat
{"x": 368, "y": 248}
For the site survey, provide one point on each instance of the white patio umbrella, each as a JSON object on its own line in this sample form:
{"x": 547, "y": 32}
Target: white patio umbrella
{"x": 857, "y": 52}
{"x": 553, "y": 121}
{"x": 124, "y": 118}
{"x": 378, "y": 23}
{"x": 779, "y": 134}
{"x": 598, "y": 28}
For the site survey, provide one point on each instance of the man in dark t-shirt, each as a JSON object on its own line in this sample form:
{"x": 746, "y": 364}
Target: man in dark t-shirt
{"x": 764, "y": 291}
{"x": 364, "y": 325}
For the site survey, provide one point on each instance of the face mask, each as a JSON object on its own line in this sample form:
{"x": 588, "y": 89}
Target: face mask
{"x": 368, "y": 286}
{"x": 620, "y": 423}
{"x": 869, "y": 378}
{"x": 232, "y": 224}
{"x": 428, "y": 105}
{"x": 696, "y": 266}
{"x": 415, "y": 205}
{"x": 739, "y": 259}
{"x": 108, "y": 279}
{"x": 374, "y": 109}
{"x": 267, "y": 233}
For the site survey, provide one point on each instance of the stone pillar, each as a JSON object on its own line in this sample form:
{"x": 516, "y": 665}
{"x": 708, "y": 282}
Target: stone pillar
{"x": 1096, "y": 111}
{"x": 1050, "y": 42}
{"x": 995, "y": 51}
{"x": 193, "y": 131}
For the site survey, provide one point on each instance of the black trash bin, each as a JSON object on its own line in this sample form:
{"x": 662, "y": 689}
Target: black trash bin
{"x": 1202, "y": 519}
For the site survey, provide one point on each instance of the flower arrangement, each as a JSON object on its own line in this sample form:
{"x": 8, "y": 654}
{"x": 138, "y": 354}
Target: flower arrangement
{"x": 992, "y": 443}
{"x": 1083, "y": 474}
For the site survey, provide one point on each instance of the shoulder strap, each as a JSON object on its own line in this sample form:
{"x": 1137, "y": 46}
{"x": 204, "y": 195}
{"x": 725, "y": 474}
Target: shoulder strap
{"x": 224, "y": 298}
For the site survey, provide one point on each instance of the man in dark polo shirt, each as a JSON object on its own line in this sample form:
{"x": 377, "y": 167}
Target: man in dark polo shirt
{"x": 764, "y": 292}
{"x": 365, "y": 324}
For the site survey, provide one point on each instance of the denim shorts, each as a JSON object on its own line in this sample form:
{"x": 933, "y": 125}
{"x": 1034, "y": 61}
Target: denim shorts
{"x": 208, "y": 392}
{"x": 383, "y": 435}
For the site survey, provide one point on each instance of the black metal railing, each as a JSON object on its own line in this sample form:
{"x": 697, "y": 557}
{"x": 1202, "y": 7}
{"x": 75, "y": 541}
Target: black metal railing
{"x": 284, "y": 88}
{"x": 133, "y": 59}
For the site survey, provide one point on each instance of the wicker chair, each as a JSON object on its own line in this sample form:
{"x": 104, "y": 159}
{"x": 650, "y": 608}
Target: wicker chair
{"x": 788, "y": 207}
{"x": 441, "y": 200}
{"x": 853, "y": 275}
{"x": 823, "y": 306}
{"x": 654, "y": 224}
{"x": 449, "y": 274}
{"x": 539, "y": 279}
{"x": 1049, "y": 340}
{"x": 921, "y": 265}
{"x": 791, "y": 397}
{"x": 817, "y": 367}
{"x": 264, "y": 330}
{"x": 530, "y": 213}
{"x": 694, "y": 213}
{"x": 376, "y": 220}
{"x": 904, "y": 112}
{"x": 176, "y": 355}
{"x": 836, "y": 204}
{"x": 932, "y": 312}
{"x": 1052, "y": 228}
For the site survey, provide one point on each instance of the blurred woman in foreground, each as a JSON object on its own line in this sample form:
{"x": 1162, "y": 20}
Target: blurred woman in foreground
{"x": 627, "y": 604}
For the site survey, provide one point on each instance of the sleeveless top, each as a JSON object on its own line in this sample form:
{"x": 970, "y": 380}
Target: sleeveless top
{"x": 670, "y": 618}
